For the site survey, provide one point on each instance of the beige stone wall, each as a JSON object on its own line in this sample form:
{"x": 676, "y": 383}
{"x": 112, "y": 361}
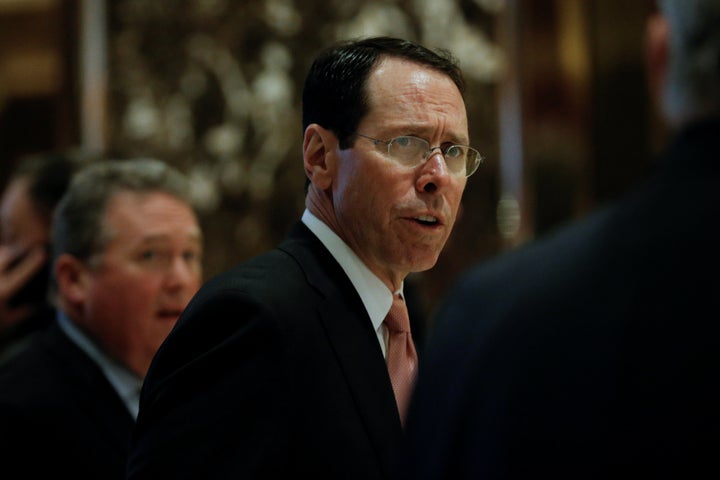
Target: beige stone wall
{"x": 214, "y": 87}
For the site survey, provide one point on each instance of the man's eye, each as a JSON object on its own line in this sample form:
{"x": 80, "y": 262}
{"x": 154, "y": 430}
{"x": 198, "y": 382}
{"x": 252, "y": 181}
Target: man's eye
{"x": 453, "y": 152}
{"x": 148, "y": 255}
{"x": 403, "y": 141}
{"x": 191, "y": 256}
{"x": 153, "y": 256}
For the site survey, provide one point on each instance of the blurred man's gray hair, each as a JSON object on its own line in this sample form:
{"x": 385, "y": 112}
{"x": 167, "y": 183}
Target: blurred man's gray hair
{"x": 78, "y": 227}
{"x": 692, "y": 90}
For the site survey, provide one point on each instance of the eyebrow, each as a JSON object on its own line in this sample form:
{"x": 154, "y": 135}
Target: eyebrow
{"x": 195, "y": 236}
{"x": 421, "y": 130}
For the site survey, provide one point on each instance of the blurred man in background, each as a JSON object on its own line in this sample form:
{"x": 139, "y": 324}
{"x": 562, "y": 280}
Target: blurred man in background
{"x": 127, "y": 251}
{"x": 595, "y": 353}
{"x": 26, "y": 208}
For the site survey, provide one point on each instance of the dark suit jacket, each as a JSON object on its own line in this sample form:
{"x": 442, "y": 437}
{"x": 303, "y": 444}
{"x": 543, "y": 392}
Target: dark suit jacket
{"x": 594, "y": 353}
{"x": 59, "y": 415}
{"x": 273, "y": 371}
{"x": 14, "y": 339}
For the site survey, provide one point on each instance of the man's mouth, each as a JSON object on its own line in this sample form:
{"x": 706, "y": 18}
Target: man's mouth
{"x": 171, "y": 314}
{"x": 426, "y": 220}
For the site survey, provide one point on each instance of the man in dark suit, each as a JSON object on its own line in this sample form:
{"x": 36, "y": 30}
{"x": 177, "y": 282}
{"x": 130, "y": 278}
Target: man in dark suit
{"x": 277, "y": 368}
{"x": 127, "y": 259}
{"x": 26, "y": 206}
{"x": 595, "y": 352}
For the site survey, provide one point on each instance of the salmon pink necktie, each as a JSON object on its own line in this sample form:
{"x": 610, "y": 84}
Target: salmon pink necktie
{"x": 401, "y": 355}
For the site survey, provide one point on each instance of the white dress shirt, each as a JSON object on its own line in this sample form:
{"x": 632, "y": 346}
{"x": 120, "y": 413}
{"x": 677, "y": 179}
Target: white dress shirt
{"x": 374, "y": 294}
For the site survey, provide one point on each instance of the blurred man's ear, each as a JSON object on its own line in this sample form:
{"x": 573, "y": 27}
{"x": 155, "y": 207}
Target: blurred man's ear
{"x": 72, "y": 281}
{"x": 656, "y": 55}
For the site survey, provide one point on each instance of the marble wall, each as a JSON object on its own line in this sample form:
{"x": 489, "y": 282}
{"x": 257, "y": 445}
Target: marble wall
{"x": 214, "y": 87}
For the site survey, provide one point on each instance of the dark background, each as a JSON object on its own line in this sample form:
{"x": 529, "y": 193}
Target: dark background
{"x": 556, "y": 99}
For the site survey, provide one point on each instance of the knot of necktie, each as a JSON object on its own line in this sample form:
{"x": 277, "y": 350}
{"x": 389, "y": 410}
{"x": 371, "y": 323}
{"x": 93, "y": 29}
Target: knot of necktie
{"x": 397, "y": 319}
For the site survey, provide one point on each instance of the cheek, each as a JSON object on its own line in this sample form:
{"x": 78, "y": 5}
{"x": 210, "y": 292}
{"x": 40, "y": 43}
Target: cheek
{"x": 123, "y": 294}
{"x": 455, "y": 199}
{"x": 124, "y": 313}
{"x": 351, "y": 187}
{"x": 33, "y": 233}
{"x": 366, "y": 201}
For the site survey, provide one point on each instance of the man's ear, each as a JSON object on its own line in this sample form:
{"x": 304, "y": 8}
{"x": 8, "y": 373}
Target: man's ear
{"x": 318, "y": 155}
{"x": 72, "y": 278}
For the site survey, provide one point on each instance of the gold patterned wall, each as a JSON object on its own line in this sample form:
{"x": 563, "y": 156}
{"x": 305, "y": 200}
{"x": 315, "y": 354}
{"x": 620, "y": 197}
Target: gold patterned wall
{"x": 214, "y": 87}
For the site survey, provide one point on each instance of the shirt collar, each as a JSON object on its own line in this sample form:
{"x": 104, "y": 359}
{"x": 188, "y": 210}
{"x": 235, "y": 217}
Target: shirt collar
{"x": 125, "y": 382}
{"x": 374, "y": 294}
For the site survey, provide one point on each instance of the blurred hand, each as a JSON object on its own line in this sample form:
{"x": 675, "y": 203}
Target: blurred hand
{"x": 16, "y": 269}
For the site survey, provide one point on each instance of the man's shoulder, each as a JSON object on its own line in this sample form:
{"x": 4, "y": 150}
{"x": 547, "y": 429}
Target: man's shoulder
{"x": 539, "y": 278}
{"x": 298, "y": 264}
{"x": 567, "y": 248}
{"x": 272, "y": 268}
{"x": 37, "y": 371}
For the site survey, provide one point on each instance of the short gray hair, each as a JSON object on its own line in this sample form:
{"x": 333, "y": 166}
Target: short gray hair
{"x": 693, "y": 84}
{"x": 78, "y": 227}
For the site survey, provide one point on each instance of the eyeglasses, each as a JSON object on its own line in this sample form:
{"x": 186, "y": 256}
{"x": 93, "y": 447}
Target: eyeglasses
{"x": 413, "y": 151}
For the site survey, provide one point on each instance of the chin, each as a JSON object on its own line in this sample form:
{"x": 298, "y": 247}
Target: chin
{"x": 423, "y": 263}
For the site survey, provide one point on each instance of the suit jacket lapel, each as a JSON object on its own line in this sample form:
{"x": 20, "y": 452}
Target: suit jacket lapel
{"x": 95, "y": 396}
{"x": 354, "y": 342}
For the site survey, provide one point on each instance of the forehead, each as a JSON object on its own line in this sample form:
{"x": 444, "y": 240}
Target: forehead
{"x": 406, "y": 91}
{"x": 147, "y": 211}
{"x": 17, "y": 209}
{"x": 16, "y": 192}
